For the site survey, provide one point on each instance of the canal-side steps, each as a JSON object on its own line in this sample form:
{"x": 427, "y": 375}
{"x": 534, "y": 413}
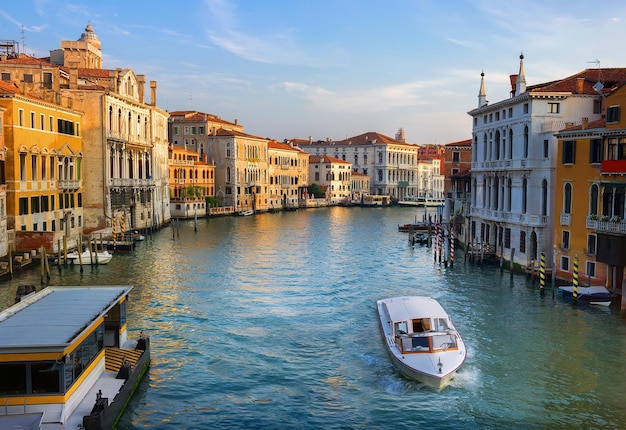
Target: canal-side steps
{"x": 114, "y": 358}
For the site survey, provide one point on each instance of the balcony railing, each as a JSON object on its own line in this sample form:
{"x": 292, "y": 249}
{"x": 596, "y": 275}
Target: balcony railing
{"x": 68, "y": 184}
{"x": 566, "y": 219}
{"x": 607, "y": 226}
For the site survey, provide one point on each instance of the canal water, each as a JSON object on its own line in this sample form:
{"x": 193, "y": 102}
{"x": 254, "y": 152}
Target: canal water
{"x": 269, "y": 322}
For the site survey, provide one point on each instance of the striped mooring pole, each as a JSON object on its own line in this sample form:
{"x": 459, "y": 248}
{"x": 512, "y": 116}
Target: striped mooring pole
{"x": 575, "y": 280}
{"x": 542, "y": 271}
{"x": 451, "y": 249}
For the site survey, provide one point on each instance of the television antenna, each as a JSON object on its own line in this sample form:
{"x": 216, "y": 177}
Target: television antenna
{"x": 598, "y": 86}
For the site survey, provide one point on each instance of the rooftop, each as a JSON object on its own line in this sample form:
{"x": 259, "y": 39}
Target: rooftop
{"x": 55, "y": 316}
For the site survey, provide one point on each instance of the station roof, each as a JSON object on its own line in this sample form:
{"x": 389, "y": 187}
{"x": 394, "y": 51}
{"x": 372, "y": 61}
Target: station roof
{"x": 54, "y": 317}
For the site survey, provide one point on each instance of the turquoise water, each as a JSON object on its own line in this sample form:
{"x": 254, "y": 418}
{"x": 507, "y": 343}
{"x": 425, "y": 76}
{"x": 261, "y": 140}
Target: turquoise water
{"x": 268, "y": 322}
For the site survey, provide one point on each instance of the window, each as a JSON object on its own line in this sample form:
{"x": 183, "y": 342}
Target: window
{"x": 456, "y": 157}
{"x": 28, "y": 78}
{"x": 34, "y": 204}
{"x": 525, "y": 108}
{"x": 507, "y": 238}
{"x": 20, "y": 117}
{"x": 42, "y": 120}
{"x": 47, "y": 80}
{"x": 565, "y": 239}
{"x": 565, "y": 263}
{"x": 612, "y": 114}
{"x": 526, "y": 142}
{"x": 593, "y": 200}
{"x": 591, "y": 244}
{"x": 595, "y": 151}
{"x": 524, "y": 195}
{"x": 569, "y": 152}
{"x": 591, "y": 269}
{"x": 546, "y": 148}
{"x": 553, "y": 107}
{"x": 23, "y": 205}
{"x": 522, "y": 241}
{"x": 567, "y": 199}
{"x": 597, "y": 106}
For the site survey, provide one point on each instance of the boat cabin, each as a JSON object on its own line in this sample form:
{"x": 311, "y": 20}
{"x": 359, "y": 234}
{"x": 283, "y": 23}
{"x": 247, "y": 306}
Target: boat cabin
{"x": 424, "y": 335}
{"x": 52, "y": 348}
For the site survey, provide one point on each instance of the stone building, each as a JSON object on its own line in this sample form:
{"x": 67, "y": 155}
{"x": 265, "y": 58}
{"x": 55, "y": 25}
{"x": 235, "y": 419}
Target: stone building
{"x": 332, "y": 175}
{"x": 514, "y": 152}
{"x": 241, "y": 169}
{"x": 288, "y": 170}
{"x": 125, "y": 177}
{"x": 192, "y": 180}
{"x": 391, "y": 164}
{"x": 4, "y": 236}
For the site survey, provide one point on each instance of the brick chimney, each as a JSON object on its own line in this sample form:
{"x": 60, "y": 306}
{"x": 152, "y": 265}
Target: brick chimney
{"x": 153, "y": 88}
{"x": 580, "y": 85}
{"x": 141, "y": 83}
{"x": 513, "y": 79}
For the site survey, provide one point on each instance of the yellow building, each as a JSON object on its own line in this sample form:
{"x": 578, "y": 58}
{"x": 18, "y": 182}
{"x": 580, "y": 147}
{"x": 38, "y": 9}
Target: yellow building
{"x": 288, "y": 169}
{"x": 43, "y": 170}
{"x": 241, "y": 169}
{"x": 590, "y": 198}
{"x": 192, "y": 180}
{"x": 4, "y": 239}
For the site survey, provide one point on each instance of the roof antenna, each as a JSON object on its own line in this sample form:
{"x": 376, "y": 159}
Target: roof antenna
{"x": 598, "y": 86}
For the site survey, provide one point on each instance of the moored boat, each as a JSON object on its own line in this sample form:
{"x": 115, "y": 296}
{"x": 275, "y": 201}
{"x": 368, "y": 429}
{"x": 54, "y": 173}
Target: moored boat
{"x": 596, "y": 295}
{"x": 78, "y": 368}
{"x": 415, "y": 226}
{"x": 421, "y": 339}
{"x": 87, "y": 257}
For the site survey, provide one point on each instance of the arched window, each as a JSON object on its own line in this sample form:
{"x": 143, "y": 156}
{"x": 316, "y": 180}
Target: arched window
{"x": 526, "y": 142}
{"x": 567, "y": 198}
{"x": 544, "y": 197}
{"x": 593, "y": 200}
{"x": 524, "y": 195}
{"x": 510, "y": 144}
{"x": 509, "y": 193}
{"x": 497, "y": 145}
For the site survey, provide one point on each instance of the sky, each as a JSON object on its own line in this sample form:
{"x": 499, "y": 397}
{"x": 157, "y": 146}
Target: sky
{"x": 332, "y": 69}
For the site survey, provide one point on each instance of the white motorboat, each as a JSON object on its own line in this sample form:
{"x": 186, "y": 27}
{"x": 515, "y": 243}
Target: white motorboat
{"x": 421, "y": 339}
{"x": 86, "y": 257}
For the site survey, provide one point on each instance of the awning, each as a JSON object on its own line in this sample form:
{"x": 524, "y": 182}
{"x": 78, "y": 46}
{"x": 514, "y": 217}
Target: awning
{"x": 613, "y": 184}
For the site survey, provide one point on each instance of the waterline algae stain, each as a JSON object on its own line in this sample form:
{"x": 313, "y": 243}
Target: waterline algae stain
{"x": 268, "y": 322}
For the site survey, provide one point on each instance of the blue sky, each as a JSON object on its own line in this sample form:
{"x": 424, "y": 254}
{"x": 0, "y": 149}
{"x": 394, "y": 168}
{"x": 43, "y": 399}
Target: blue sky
{"x": 333, "y": 68}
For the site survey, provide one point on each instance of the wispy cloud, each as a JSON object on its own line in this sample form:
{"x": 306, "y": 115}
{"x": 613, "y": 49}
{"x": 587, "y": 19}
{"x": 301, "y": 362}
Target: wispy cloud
{"x": 278, "y": 47}
{"x": 381, "y": 99}
{"x": 32, "y": 28}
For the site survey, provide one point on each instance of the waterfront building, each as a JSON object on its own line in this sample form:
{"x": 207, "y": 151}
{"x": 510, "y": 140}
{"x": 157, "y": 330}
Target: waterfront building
{"x": 44, "y": 195}
{"x": 430, "y": 179}
{"x": 590, "y": 197}
{"x": 391, "y": 164}
{"x": 514, "y": 155}
{"x": 4, "y": 236}
{"x": 288, "y": 170}
{"x": 241, "y": 169}
{"x": 457, "y": 186}
{"x": 125, "y": 177}
{"x": 192, "y": 180}
{"x": 334, "y": 176}
{"x": 191, "y": 129}
{"x": 360, "y": 186}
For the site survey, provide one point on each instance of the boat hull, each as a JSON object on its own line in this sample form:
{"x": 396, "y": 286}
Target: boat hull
{"x": 87, "y": 258}
{"x": 599, "y": 296}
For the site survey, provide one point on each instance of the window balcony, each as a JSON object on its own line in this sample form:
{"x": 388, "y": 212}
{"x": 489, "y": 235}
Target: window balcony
{"x": 566, "y": 219}
{"x": 613, "y": 166}
{"x": 606, "y": 226}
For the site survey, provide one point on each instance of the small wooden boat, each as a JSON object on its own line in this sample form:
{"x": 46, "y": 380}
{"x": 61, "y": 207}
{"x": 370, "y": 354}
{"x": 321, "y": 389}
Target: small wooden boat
{"x": 246, "y": 212}
{"x": 420, "y": 339}
{"x": 597, "y": 295}
{"x": 416, "y": 226}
